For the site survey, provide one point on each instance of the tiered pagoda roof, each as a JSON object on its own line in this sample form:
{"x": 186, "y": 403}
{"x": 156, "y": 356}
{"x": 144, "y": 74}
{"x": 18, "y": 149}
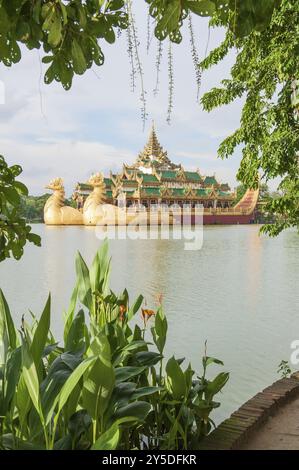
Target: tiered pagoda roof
{"x": 153, "y": 155}
{"x": 154, "y": 176}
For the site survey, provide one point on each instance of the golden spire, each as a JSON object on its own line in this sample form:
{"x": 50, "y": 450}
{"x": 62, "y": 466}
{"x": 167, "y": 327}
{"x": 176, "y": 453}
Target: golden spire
{"x": 153, "y": 153}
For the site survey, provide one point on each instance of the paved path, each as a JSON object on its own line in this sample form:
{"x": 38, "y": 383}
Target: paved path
{"x": 280, "y": 431}
{"x": 269, "y": 420}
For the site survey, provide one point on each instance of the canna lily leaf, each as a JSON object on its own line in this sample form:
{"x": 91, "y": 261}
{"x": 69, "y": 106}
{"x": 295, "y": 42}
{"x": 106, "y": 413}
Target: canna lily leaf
{"x": 41, "y": 334}
{"x": 108, "y": 440}
{"x": 84, "y": 286}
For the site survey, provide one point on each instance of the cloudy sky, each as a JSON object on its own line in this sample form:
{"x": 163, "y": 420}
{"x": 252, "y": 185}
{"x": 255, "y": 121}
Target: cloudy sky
{"x": 96, "y": 126}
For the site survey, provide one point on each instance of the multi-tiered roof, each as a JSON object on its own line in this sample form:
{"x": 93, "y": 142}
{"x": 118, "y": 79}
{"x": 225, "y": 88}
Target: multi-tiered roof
{"x": 155, "y": 177}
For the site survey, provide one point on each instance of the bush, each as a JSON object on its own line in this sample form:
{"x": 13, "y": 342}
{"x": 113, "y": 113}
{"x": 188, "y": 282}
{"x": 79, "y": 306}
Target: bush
{"x": 105, "y": 388}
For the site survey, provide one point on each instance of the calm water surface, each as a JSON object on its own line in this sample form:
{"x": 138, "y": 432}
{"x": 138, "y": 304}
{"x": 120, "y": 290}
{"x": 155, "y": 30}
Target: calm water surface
{"x": 239, "y": 292}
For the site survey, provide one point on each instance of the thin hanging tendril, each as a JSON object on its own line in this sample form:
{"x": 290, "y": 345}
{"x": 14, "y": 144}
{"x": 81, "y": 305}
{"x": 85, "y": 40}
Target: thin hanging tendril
{"x": 158, "y": 67}
{"x": 148, "y": 32}
{"x": 135, "y": 41}
{"x": 170, "y": 83}
{"x": 131, "y": 53}
{"x": 195, "y": 56}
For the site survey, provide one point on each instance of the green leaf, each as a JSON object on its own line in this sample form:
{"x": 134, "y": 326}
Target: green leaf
{"x": 145, "y": 391}
{"x": 169, "y": 21}
{"x": 206, "y": 360}
{"x": 21, "y": 188}
{"x": 201, "y": 7}
{"x": 148, "y": 358}
{"x": 133, "y": 411}
{"x": 175, "y": 379}
{"x": 99, "y": 379}
{"x": 108, "y": 440}
{"x": 29, "y": 373}
{"x": 12, "y": 195}
{"x": 135, "y": 307}
{"x": 125, "y": 373}
{"x": 84, "y": 286}
{"x": 99, "y": 270}
{"x": 79, "y": 61}
{"x": 159, "y": 331}
{"x": 75, "y": 340}
{"x": 72, "y": 381}
{"x": 8, "y": 337}
{"x": 55, "y": 31}
{"x": 11, "y": 377}
{"x": 218, "y": 383}
{"x": 41, "y": 333}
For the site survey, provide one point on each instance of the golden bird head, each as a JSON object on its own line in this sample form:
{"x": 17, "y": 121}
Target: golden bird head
{"x": 96, "y": 179}
{"x": 56, "y": 184}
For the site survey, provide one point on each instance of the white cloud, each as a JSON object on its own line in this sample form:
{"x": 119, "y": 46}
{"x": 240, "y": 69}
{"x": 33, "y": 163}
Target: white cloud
{"x": 72, "y": 160}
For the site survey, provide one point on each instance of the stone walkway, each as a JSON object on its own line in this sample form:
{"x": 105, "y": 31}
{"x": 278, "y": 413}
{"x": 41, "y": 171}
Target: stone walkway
{"x": 280, "y": 431}
{"x": 269, "y": 420}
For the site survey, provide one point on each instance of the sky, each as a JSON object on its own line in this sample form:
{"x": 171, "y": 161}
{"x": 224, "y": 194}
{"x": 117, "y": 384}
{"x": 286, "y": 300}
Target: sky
{"x": 97, "y": 126}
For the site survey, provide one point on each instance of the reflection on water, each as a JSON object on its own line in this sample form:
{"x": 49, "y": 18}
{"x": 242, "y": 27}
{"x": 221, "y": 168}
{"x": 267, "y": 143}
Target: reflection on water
{"x": 240, "y": 292}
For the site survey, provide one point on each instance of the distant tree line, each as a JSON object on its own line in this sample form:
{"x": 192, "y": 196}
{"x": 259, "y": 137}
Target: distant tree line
{"x": 32, "y": 207}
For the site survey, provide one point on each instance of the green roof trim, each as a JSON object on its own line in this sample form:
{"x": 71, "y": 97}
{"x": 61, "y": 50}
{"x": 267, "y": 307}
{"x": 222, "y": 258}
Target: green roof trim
{"x": 129, "y": 193}
{"x": 148, "y": 178}
{"x": 151, "y": 191}
{"x": 169, "y": 174}
{"x": 109, "y": 194}
{"x": 202, "y": 192}
{"x": 178, "y": 192}
{"x": 108, "y": 181}
{"x": 193, "y": 176}
{"x": 223, "y": 193}
{"x": 210, "y": 180}
{"x": 84, "y": 187}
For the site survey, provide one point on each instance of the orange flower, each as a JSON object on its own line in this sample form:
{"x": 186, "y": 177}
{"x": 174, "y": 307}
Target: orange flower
{"x": 147, "y": 314}
{"x": 122, "y": 312}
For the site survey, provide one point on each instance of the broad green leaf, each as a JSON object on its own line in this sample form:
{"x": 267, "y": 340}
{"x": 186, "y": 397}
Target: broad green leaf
{"x": 84, "y": 287}
{"x": 175, "y": 379}
{"x": 170, "y": 19}
{"x": 144, "y": 391}
{"x": 125, "y": 373}
{"x": 55, "y": 30}
{"x": 135, "y": 307}
{"x": 11, "y": 378}
{"x": 30, "y": 377}
{"x": 41, "y": 333}
{"x": 75, "y": 341}
{"x": 159, "y": 331}
{"x": 79, "y": 61}
{"x": 69, "y": 316}
{"x": 73, "y": 380}
{"x": 8, "y": 337}
{"x": 108, "y": 440}
{"x": 137, "y": 411}
{"x": 99, "y": 380}
{"x": 217, "y": 383}
{"x": 201, "y": 7}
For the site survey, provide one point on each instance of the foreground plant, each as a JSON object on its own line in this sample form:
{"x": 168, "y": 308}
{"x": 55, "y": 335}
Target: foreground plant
{"x": 104, "y": 388}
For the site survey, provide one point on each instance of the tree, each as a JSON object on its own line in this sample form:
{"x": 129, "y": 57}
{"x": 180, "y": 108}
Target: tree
{"x": 264, "y": 72}
{"x": 14, "y": 232}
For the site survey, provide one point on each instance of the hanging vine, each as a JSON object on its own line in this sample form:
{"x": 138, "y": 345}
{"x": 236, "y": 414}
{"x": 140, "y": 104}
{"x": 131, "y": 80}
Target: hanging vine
{"x": 170, "y": 83}
{"x": 158, "y": 67}
{"x": 131, "y": 53}
{"x": 136, "y": 59}
{"x": 195, "y": 56}
{"x": 148, "y": 32}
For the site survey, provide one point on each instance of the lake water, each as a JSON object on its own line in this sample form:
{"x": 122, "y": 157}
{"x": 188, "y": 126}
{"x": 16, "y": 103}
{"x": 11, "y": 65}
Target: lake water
{"x": 239, "y": 292}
